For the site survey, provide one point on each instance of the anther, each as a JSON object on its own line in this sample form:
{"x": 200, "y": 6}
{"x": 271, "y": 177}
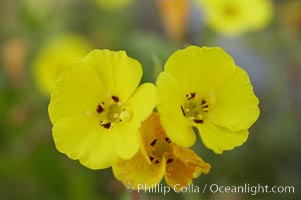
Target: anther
{"x": 153, "y": 142}
{"x": 191, "y": 95}
{"x": 100, "y": 108}
{"x": 151, "y": 158}
{"x": 106, "y": 125}
{"x": 115, "y": 98}
{"x": 167, "y": 140}
{"x": 199, "y": 121}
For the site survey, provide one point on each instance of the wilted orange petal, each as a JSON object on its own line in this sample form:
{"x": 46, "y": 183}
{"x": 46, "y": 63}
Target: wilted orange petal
{"x": 174, "y": 14}
{"x": 186, "y": 166}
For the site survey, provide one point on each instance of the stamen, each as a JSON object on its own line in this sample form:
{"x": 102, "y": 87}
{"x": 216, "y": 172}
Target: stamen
{"x": 199, "y": 121}
{"x": 124, "y": 115}
{"x": 191, "y": 118}
{"x": 204, "y": 106}
{"x": 151, "y": 158}
{"x": 106, "y": 125}
{"x": 115, "y": 98}
{"x": 183, "y": 111}
{"x": 167, "y": 140}
{"x": 191, "y": 95}
{"x": 153, "y": 142}
{"x": 100, "y": 108}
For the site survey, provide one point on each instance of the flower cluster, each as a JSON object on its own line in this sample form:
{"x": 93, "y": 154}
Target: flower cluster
{"x": 103, "y": 118}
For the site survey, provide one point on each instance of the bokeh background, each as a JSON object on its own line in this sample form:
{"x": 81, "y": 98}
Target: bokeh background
{"x": 150, "y": 31}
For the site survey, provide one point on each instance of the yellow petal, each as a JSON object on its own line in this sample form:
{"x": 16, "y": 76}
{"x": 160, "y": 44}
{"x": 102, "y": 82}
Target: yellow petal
{"x": 78, "y": 92}
{"x": 169, "y": 106}
{"x": 200, "y": 69}
{"x": 81, "y": 137}
{"x": 139, "y": 106}
{"x": 142, "y": 103}
{"x": 119, "y": 73}
{"x": 126, "y": 140}
{"x": 136, "y": 172}
{"x": 236, "y": 105}
{"x": 185, "y": 166}
{"x": 219, "y": 138}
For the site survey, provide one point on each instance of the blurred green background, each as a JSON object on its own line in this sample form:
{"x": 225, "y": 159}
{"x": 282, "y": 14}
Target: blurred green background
{"x": 32, "y": 168}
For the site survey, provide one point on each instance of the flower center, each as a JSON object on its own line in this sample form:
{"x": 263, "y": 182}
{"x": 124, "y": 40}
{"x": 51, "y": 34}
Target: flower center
{"x": 195, "y": 108}
{"x": 159, "y": 148}
{"x": 112, "y": 112}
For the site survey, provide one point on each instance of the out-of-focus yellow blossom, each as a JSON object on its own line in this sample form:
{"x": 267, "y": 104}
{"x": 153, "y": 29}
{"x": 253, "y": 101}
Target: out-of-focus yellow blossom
{"x": 114, "y": 5}
{"x": 204, "y": 88}
{"x": 57, "y": 54}
{"x": 235, "y": 17}
{"x": 174, "y": 14}
{"x": 158, "y": 157}
{"x": 96, "y": 108}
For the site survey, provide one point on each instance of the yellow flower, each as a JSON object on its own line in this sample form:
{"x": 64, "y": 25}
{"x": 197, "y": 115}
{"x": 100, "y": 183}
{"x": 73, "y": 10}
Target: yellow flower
{"x": 234, "y": 17}
{"x": 96, "y": 108}
{"x": 114, "y": 5}
{"x": 204, "y": 88}
{"x": 57, "y": 54}
{"x": 159, "y": 156}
